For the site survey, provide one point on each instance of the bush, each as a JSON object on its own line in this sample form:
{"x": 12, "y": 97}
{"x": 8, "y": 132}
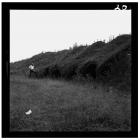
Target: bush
{"x": 54, "y": 71}
{"x": 68, "y": 71}
{"x": 88, "y": 68}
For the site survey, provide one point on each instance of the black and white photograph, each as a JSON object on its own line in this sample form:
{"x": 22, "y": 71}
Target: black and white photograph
{"x": 70, "y": 69}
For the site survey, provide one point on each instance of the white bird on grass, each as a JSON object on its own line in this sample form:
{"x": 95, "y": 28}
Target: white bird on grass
{"x": 28, "y": 112}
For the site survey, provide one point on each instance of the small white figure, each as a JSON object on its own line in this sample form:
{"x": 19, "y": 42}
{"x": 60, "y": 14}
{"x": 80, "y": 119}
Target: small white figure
{"x": 28, "y": 112}
{"x": 32, "y": 70}
{"x": 31, "y": 67}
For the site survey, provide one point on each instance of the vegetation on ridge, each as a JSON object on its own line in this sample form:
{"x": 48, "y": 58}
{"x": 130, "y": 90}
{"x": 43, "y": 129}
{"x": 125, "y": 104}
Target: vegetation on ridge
{"x": 101, "y": 61}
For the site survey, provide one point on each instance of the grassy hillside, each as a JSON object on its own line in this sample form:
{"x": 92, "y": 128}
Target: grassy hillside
{"x": 84, "y": 88}
{"x": 105, "y": 62}
{"x": 59, "y": 105}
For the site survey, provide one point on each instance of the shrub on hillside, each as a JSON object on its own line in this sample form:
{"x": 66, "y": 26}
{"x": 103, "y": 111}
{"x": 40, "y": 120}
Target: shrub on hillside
{"x": 88, "y": 68}
{"x": 54, "y": 71}
{"x": 68, "y": 70}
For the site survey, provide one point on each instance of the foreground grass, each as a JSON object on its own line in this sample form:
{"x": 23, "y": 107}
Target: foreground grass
{"x": 58, "y": 105}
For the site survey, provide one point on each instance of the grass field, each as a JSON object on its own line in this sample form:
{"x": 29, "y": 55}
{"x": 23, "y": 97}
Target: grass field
{"x": 59, "y": 105}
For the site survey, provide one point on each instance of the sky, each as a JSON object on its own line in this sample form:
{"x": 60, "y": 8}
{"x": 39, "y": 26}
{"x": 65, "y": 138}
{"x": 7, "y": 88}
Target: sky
{"x": 36, "y": 31}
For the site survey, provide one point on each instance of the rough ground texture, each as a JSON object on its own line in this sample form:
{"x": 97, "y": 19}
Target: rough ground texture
{"x": 59, "y": 105}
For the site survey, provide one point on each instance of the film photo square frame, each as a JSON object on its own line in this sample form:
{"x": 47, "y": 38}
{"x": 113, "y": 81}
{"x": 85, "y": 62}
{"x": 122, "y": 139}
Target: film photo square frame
{"x": 7, "y": 6}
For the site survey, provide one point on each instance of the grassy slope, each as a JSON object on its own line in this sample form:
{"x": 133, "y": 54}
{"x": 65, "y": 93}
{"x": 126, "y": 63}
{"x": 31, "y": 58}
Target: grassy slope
{"x": 108, "y": 62}
{"x": 66, "y": 106}
{"x": 98, "y": 52}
